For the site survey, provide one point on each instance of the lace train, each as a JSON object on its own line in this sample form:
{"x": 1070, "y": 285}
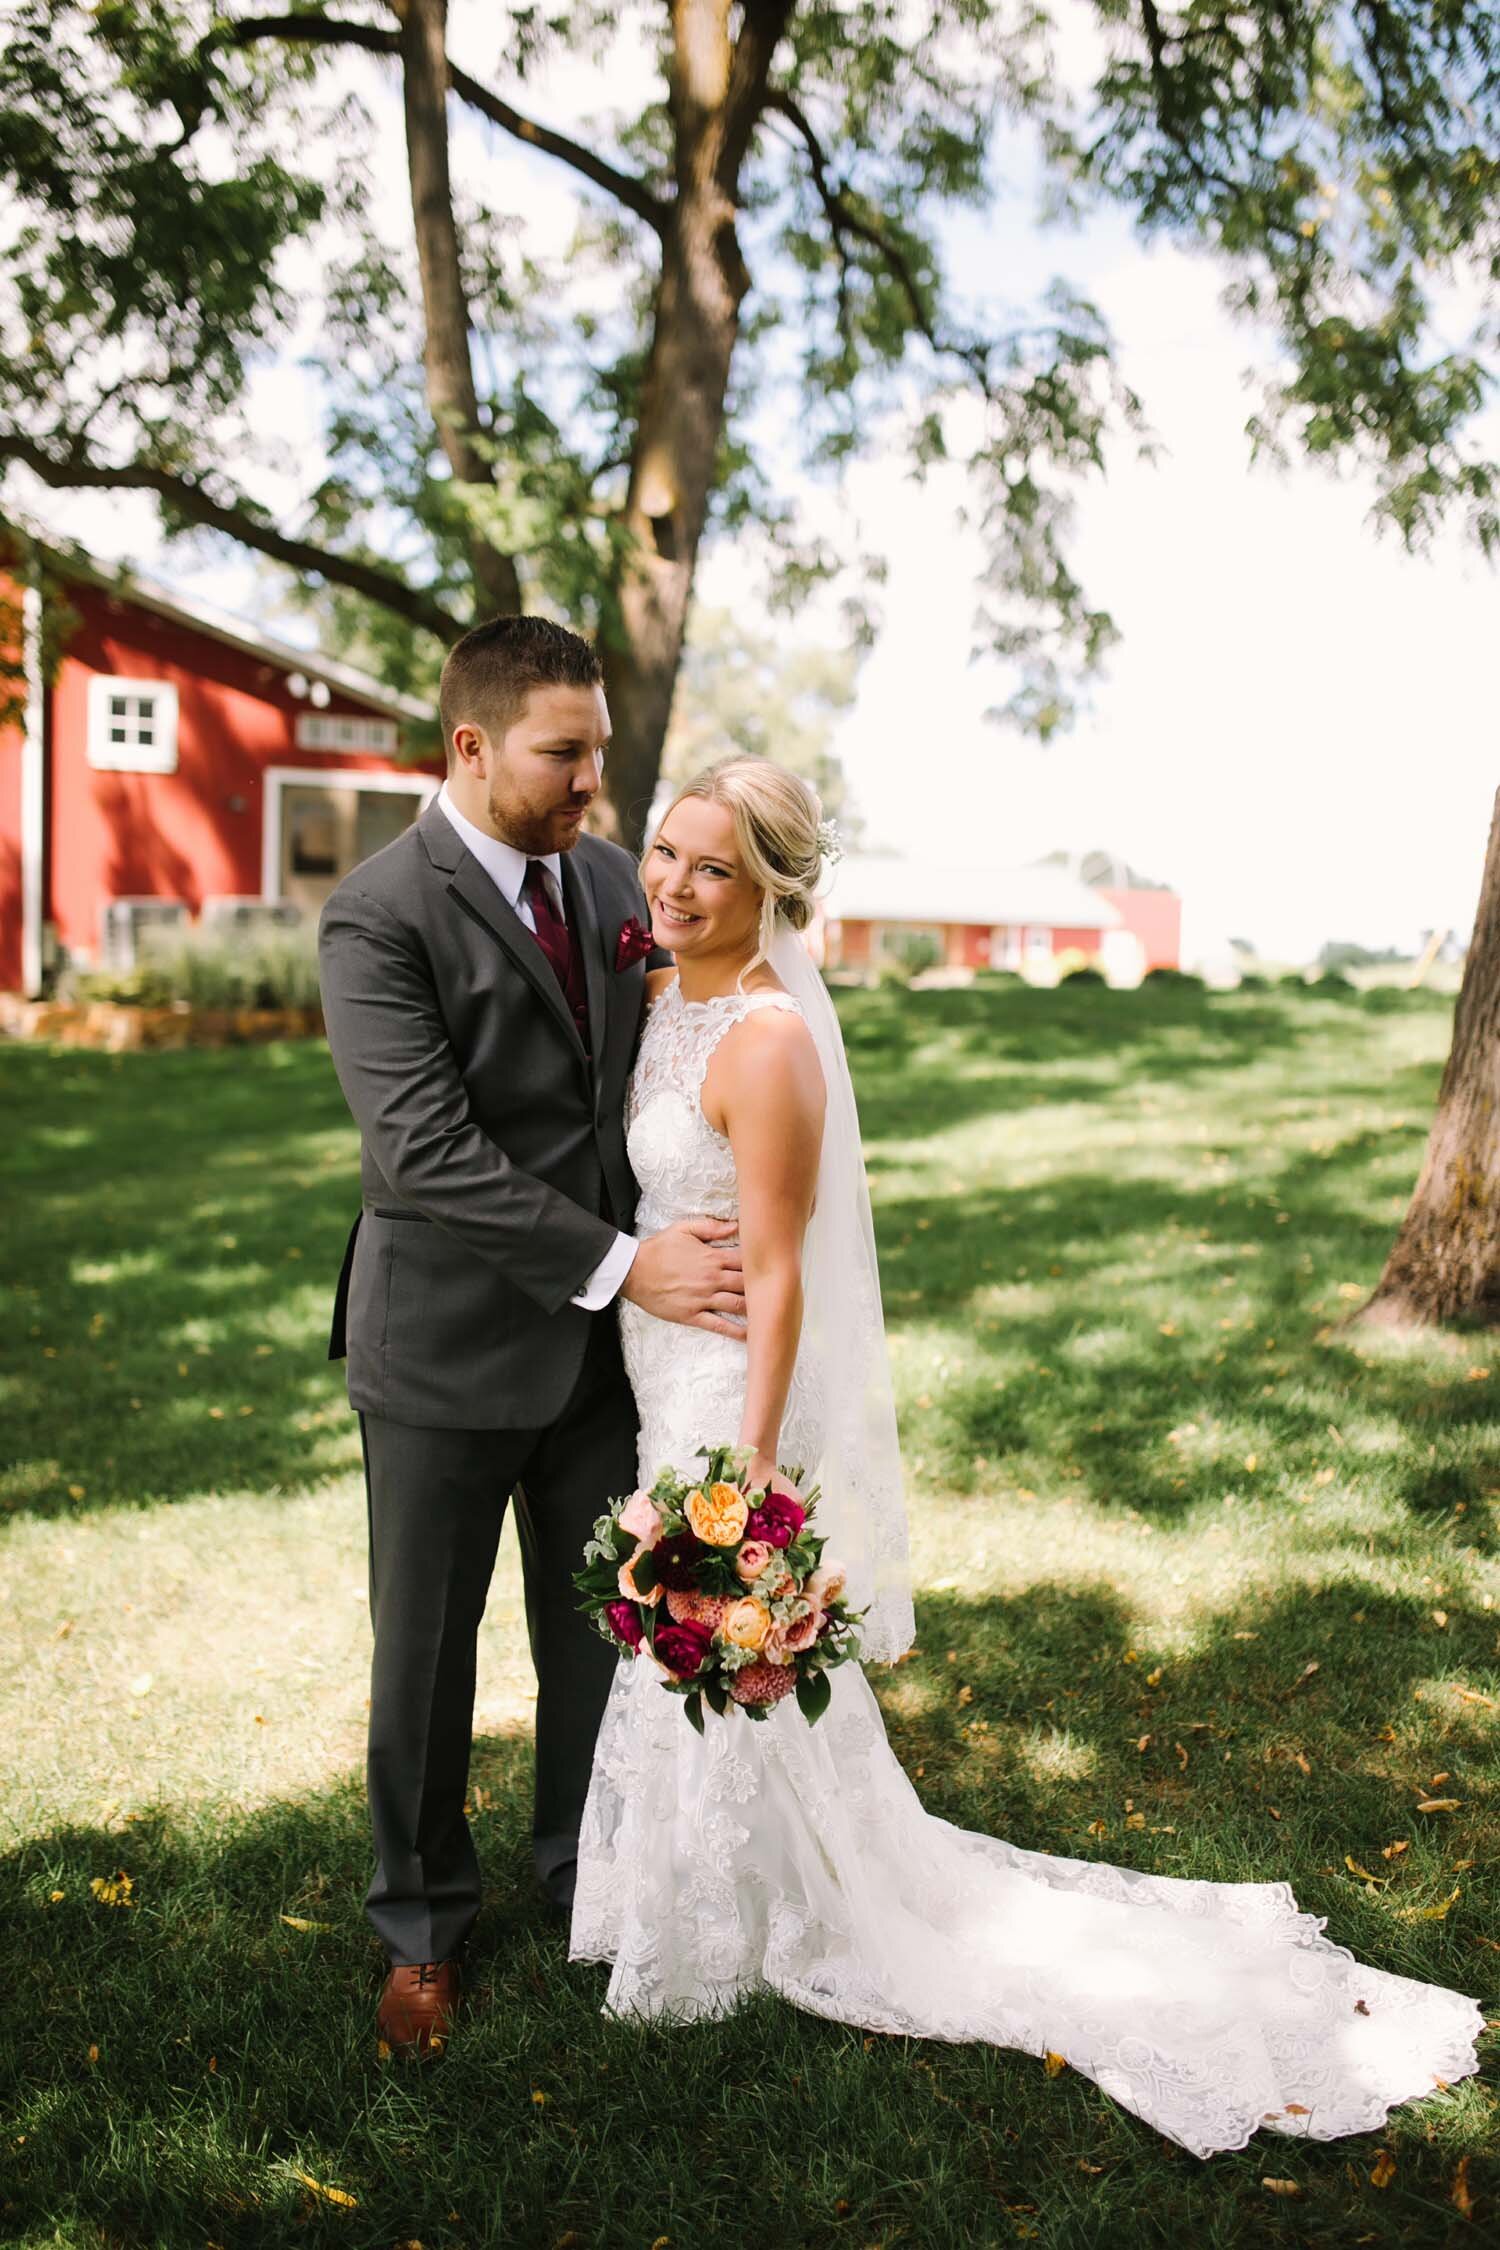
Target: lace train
{"x": 802, "y": 1859}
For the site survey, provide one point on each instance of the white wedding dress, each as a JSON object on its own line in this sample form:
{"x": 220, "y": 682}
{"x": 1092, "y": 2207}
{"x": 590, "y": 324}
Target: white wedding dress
{"x": 800, "y": 1858}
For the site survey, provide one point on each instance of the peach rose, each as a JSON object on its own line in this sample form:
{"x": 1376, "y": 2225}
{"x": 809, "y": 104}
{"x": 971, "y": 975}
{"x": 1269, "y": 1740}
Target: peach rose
{"x": 628, "y": 1586}
{"x": 784, "y": 1641}
{"x": 747, "y": 1625}
{"x": 752, "y": 1560}
{"x": 718, "y": 1516}
{"x": 825, "y": 1585}
{"x": 641, "y": 1517}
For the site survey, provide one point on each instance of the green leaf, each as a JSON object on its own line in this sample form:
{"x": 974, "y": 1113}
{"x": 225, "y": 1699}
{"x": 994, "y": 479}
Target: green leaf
{"x": 645, "y": 1573}
{"x": 814, "y": 1694}
{"x": 694, "y": 1710}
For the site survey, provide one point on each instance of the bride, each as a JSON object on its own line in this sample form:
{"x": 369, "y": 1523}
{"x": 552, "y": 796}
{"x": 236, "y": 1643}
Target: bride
{"x": 800, "y": 1858}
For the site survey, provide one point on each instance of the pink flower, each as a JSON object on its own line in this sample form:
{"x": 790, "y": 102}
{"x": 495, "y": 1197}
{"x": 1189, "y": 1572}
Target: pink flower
{"x": 762, "y": 1683}
{"x": 752, "y": 1559}
{"x": 683, "y": 1649}
{"x": 624, "y": 1623}
{"x": 697, "y": 1609}
{"x": 776, "y": 1519}
{"x": 641, "y": 1518}
{"x": 628, "y": 1586}
{"x": 784, "y": 1641}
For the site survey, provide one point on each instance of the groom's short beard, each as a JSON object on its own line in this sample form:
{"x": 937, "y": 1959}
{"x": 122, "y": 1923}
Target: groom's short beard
{"x": 532, "y": 836}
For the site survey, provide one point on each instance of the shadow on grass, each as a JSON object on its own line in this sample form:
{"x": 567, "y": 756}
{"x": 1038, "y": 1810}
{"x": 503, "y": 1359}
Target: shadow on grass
{"x": 175, "y": 1226}
{"x": 179, "y": 2068}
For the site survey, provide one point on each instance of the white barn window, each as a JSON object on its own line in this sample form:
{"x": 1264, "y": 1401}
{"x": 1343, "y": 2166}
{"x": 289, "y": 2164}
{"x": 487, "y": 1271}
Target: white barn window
{"x": 132, "y": 725}
{"x": 314, "y": 733}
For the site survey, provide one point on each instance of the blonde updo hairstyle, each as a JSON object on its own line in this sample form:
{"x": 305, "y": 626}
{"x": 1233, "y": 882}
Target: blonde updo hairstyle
{"x": 777, "y": 820}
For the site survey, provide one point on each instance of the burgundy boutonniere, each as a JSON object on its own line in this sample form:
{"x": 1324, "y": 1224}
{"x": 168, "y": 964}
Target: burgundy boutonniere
{"x": 633, "y": 944}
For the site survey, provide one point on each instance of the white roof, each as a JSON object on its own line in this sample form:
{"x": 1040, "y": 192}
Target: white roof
{"x": 147, "y": 593}
{"x": 871, "y": 889}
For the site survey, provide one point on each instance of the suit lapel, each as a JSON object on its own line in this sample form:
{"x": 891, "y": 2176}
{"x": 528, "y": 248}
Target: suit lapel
{"x": 583, "y": 915}
{"x": 468, "y": 882}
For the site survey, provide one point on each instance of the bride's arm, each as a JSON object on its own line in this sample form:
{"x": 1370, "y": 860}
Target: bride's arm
{"x": 764, "y": 1090}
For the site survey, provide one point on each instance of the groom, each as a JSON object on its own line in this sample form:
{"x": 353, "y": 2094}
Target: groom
{"x": 483, "y": 983}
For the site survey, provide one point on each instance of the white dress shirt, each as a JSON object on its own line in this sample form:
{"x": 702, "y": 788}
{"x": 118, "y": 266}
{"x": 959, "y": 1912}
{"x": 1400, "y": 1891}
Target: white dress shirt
{"x": 506, "y": 869}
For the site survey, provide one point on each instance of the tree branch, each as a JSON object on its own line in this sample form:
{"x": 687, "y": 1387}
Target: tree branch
{"x": 237, "y": 520}
{"x": 845, "y": 220}
{"x": 761, "y": 32}
{"x": 312, "y": 29}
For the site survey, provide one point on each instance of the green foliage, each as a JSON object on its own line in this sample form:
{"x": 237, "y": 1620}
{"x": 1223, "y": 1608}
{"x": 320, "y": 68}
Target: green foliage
{"x": 1187, "y": 979}
{"x": 1085, "y": 973}
{"x": 211, "y": 970}
{"x": 187, "y": 189}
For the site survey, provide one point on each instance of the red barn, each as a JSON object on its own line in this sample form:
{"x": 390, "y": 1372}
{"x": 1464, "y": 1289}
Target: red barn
{"x": 157, "y": 758}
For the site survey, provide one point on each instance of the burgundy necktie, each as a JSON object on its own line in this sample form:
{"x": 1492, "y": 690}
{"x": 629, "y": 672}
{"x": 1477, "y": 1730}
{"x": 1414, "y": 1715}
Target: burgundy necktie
{"x": 556, "y": 941}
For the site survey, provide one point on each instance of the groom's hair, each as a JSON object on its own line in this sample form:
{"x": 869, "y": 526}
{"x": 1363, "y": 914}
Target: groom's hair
{"x": 492, "y": 670}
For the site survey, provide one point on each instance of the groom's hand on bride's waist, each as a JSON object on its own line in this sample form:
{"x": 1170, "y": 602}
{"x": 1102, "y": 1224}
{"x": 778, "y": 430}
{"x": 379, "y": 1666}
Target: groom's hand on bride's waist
{"x": 691, "y": 1273}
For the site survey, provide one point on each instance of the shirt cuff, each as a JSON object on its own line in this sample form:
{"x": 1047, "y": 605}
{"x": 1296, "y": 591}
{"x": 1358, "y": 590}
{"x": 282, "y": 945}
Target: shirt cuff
{"x": 603, "y": 1284}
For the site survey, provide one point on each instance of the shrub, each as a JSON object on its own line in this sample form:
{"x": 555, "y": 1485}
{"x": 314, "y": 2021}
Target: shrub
{"x": 214, "y": 971}
{"x": 916, "y": 952}
{"x": 1087, "y": 974}
{"x": 1252, "y": 981}
{"x": 1183, "y": 978}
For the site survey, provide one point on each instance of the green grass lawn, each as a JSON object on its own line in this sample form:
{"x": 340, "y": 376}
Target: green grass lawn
{"x": 1208, "y": 1587}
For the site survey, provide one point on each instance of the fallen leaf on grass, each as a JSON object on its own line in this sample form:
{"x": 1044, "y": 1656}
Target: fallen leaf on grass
{"x": 1144, "y": 1741}
{"x": 1472, "y": 1695}
{"x": 1385, "y": 2169}
{"x": 1054, "y": 2064}
{"x": 1153, "y": 1678}
{"x": 1430, "y": 1913}
{"x": 1304, "y": 1762}
{"x": 1394, "y": 1851}
{"x": 340, "y": 2196}
{"x": 1438, "y": 1779}
{"x": 1461, "y": 2199}
{"x": 1439, "y": 1804}
{"x": 1306, "y": 1673}
{"x": 298, "y": 1922}
{"x": 113, "y": 1890}
{"x": 1440, "y": 1618}
{"x": 1244, "y": 1636}
{"x": 1281, "y": 2187}
{"x": 1363, "y": 1872}
{"x": 1093, "y": 2170}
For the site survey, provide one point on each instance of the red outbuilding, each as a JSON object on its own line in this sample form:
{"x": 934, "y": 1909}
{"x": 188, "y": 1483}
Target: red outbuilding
{"x": 159, "y": 761}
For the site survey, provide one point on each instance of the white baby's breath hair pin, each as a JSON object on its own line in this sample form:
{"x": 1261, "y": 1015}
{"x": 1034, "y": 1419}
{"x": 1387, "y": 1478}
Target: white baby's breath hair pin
{"x": 830, "y": 842}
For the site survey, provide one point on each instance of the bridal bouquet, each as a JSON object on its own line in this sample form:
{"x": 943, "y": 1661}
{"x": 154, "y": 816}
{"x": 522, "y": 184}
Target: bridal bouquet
{"x": 726, "y": 1588}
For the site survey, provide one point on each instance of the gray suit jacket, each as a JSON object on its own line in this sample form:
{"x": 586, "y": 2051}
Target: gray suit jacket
{"x": 493, "y": 1167}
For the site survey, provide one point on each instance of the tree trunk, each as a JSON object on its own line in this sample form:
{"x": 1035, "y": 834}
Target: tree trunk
{"x": 1445, "y": 1262}
{"x": 449, "y": 368}
{"x": 717, "y": 90}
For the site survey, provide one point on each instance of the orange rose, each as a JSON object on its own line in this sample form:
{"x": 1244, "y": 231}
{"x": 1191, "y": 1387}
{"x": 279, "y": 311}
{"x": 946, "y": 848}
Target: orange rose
{"x": 718, "y": 1517}
{"x": 747, "y": 1625}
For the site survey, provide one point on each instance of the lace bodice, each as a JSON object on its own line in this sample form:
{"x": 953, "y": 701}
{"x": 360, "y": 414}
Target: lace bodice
{"x": 689, "y": 1383}
{"x": 680, "y": 1163}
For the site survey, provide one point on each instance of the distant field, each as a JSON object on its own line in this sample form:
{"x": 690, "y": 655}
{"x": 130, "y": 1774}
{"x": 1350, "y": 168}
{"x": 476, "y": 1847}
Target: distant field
{"x": 1207, "y": 1587}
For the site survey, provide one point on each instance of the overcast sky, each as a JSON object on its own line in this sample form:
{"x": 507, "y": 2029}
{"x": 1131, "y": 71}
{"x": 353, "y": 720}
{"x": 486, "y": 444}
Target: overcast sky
{"x": 1298, "y": 728}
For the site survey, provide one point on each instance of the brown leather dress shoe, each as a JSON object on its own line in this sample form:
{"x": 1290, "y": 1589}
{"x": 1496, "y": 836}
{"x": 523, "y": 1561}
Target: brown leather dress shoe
{"x": 418, "y": 2003}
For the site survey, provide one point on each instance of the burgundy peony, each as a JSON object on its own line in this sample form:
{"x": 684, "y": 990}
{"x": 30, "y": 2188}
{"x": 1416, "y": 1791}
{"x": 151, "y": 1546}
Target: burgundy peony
{"x": 777, "y": 1520}
{"x": 624, "y": 1621}
{"x": 683, "y": 1648}
{"x": 677, "y": 1560}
